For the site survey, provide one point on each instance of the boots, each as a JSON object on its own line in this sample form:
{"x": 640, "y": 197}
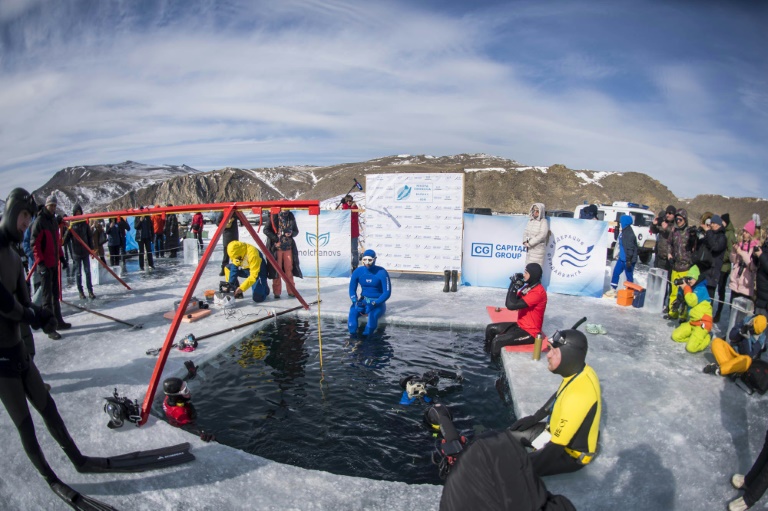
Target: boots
{"x": 454, "y": 280}
{"x": 447, "y": 285}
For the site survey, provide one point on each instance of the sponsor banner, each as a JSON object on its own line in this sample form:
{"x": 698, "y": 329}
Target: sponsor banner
{"x": 414, "y": 221}
{"x": 330, "y": 243}
{"x": 574, "y": 264}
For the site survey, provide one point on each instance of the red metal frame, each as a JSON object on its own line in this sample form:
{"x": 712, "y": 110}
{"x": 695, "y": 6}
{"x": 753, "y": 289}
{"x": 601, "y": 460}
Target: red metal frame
{"x": 229, "y": 209}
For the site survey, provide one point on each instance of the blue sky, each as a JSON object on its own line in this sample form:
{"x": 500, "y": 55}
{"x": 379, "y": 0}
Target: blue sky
{"x": 677, "y": 90}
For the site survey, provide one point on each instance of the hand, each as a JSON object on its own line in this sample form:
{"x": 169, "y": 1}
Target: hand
{"x": 524, "y": 423}
{"x": 64, "y": 263}
{"x": 38, "y": 318}
{"x": 745, "y": 330}
{"x": 238, "y": 293}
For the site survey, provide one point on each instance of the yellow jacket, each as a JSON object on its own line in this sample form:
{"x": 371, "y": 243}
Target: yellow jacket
{"x": 247, "y": 256}
{"x": 575, "y": 419}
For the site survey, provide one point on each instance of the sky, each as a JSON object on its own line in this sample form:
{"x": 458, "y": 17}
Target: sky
{"x": 673, "y": 89}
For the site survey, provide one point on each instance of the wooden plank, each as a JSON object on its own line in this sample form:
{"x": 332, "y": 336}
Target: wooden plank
{"x": 189, "y": 317}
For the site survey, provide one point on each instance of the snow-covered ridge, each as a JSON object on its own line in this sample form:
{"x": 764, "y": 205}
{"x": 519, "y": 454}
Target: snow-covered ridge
{"x": 594, "y": 177}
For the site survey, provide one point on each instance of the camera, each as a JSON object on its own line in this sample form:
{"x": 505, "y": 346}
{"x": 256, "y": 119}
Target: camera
{"x": 679, "y": 282}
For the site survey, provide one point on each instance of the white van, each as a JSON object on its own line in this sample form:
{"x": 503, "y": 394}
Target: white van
{"x": 642, "y": 218}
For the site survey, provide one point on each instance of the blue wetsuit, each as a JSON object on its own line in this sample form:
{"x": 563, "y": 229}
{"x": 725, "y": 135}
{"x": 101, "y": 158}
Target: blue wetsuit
{"x": 375, "y": 290}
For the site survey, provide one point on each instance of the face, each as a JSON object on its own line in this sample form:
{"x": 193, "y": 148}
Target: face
{"x": 553, "y": 358}
{"x": 669, "y": 217}
{"x": 715, "y": 227}
{"x": 745, "y": 235}
{"x": 22, "y": 223}
{"x": 679, "y": 221}
{"x": 526, "y": 275}
{"x": 51, "y": 208}
{"x": 535, "y": 212}
{"x": 368, "y": 261}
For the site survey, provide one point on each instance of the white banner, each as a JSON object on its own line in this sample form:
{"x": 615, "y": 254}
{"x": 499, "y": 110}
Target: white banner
{"x": 574, "y": 264}
{"x": 414, "y": 221}
{"x": 330, "y": 243}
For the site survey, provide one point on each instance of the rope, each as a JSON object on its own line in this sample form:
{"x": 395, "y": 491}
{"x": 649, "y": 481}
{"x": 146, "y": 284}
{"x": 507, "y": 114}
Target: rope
{"x": 731, "y": 304}
{"x": 317, "y": 271}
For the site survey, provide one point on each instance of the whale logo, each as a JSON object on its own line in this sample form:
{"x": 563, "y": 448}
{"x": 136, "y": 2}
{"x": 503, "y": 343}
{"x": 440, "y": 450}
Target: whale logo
{"x": 318, "y": 241}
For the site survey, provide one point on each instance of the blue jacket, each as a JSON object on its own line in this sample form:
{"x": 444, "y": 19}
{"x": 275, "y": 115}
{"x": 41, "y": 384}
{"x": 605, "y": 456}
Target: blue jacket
{"x": 628, "y": 242}
{"x": 374, "y": 283}
{"x": 27, "y": 245}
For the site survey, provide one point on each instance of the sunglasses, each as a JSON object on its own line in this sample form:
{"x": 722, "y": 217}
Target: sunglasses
{"x": 367, "y": 259}
{"x": 679, "y": 219}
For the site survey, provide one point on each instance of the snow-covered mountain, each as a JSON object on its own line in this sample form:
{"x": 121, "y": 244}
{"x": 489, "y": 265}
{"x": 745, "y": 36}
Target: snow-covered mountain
{"x": 503, "y": 185}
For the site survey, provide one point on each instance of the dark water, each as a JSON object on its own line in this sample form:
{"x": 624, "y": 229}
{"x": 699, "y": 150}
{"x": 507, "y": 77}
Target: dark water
{"x": 267, "y": 396}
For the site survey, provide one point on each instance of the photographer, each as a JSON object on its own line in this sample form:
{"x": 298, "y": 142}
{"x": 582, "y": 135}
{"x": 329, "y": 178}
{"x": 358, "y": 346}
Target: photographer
{"x": 749, "y": 337}
{"x": 526, "y": 295}
{"x": 662, "y": 227}
{"x": 744, "y": 269}
{"x": 693, "y": 296}
{"x": 682, "y": 244}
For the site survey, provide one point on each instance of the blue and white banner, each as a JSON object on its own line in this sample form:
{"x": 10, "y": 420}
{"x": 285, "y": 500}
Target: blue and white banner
{"x": 328, "y": 245}
{"x": 413, "y": 221}
{"x": 574, "y": 264}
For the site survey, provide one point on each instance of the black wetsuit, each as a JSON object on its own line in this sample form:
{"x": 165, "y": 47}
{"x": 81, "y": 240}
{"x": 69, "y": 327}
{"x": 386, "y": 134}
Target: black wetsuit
{"x": 19, "y": 378}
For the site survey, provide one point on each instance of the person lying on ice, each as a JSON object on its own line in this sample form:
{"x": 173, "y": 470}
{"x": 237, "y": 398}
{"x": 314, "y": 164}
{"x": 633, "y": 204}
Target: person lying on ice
{"x": 375, "y": 289}
{"x": 526, "y": 295}
{"x": 568, "y": 440}
{"x": 246, "y": 261}
{"x": 693, "y": 291}
{"x": 749, "y": 337}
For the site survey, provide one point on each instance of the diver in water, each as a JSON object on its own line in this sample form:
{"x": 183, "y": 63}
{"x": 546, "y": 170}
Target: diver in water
{"x": 177, "y": 404}
{"x": 416, "y": 387}
{"x": 375, "y": 290}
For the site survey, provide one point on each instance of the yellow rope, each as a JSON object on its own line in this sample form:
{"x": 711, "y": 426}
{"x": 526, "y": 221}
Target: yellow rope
{"x": 317, "y": 272}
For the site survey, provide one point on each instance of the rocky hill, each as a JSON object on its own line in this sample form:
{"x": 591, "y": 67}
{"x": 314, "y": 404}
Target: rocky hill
{"x": 505, "y": 186}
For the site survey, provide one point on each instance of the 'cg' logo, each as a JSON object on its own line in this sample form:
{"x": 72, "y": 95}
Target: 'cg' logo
{"x": 482, "y": 250}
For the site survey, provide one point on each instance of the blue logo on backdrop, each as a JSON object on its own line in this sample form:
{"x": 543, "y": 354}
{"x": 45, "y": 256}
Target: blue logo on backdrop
{"x": 482, "y": 249}
{"x": 318, "y": 241}
{"x": 404, "y": 192}
{"x": 570, "y": 255}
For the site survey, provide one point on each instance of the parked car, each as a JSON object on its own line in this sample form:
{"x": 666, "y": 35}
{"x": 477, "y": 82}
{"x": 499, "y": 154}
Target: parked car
{"x": 559, "y": 213}
{"x": 642, "y": 218}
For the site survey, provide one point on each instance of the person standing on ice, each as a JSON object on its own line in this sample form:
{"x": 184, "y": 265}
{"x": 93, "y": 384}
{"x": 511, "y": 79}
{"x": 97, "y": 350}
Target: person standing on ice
{"x": 375, "y": 290}
{"x": 627, "y": 255}
{"x": 81, "y": 256}
{"x": 281, "y": 232}
{"x": 248, "y": 262}
{"x": 567, "y": 441}
{"x": 536, "y": 234}
{"x": 754, "y": 483}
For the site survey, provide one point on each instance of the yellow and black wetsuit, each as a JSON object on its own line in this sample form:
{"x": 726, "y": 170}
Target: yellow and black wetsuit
{"x": 574, "y": 425}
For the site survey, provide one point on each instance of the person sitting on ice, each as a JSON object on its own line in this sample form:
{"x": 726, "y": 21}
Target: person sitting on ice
{"x": 749, "y": 337}
{"x": 527, "y": 295}
{"x": 246, "y": 261}
{"x": 568, "y": 440}
{"x": 177, "y": 404}
{"x": 375, "y": 290}
{"x": 693, "y": 293}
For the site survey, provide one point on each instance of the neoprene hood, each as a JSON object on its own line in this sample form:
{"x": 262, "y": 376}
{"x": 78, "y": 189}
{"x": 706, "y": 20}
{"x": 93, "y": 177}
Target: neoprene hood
{"x": 573, "y": 353}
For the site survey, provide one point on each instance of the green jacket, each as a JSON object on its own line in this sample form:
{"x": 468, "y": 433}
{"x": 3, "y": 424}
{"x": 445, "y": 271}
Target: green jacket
{"x": 730, "y": 236}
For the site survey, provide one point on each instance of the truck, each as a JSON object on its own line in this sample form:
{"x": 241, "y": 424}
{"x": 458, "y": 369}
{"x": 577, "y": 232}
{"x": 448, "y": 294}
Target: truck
{"x": 642, "y": 218}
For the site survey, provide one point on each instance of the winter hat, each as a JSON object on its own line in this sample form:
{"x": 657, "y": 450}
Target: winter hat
{"x": 726, "y": 218}
{"x": 51, "y": 200}
{"x": 671, "y": 210}
{"x": 535, "y": 272}
{"x": 683, "y": 213}
{"x": 750, "y": 227}
{"x": 693, "y": 273}
{"x": 573, "y": 352}
{"x": 717, "y": 219}
{"x": 758, "y": 324}
{"x": 77, "y": 210}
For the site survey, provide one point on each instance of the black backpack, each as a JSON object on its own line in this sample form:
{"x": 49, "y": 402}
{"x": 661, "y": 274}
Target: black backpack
{"x": 756, "y": 377}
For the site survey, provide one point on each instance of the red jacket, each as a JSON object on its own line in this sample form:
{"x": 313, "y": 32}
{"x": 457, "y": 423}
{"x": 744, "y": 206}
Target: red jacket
{"x": 355, "y": 220}
{"x": 178, "y": 415}
{"x": 158, "y": 223}
{"x": 197, "y": 222}
{"x": 46, "y": 241}
{"x": 531, "y": 318}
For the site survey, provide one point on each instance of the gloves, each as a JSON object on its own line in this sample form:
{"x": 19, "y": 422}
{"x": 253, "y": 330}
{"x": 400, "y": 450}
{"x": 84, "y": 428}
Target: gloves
{"x": 238, "y": 293}
{"x": 369, "y": 306}
{"x": 744, "y": 331}
{"x": 38, "y": 318}
{"x": 64, "y": 263}
{"x": 518, "y": 281}
{"x": 528, "y": 422}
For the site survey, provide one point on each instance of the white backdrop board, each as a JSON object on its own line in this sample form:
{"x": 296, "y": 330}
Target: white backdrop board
{"x": 414, "y": 221}
{"x": 574, "y": 264}
{"x": 330, "y": 243}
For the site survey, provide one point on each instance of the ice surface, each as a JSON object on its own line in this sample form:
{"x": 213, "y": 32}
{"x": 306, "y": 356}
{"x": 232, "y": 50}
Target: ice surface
{"x": 671, "y": 435}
